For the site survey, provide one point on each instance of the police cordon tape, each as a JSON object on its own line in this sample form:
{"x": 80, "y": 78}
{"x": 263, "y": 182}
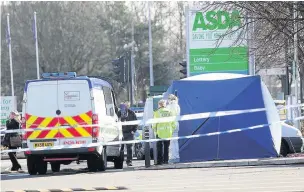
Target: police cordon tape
{"x": 149, "y": 140}
{"x": 163, "y": 119}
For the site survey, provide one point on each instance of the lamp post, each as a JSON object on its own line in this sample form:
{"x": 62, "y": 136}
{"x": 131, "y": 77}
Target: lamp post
{"x": 130, "y": 68}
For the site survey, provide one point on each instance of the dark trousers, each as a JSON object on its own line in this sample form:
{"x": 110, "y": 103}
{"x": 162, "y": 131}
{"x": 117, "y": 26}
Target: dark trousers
{"x": 13, "y": 158}
{"x": 163, "y": 152}
{"x": 128, "y": 137}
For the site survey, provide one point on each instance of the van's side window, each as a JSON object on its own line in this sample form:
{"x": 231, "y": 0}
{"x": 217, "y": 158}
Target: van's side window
{"x": 108, "y": 101}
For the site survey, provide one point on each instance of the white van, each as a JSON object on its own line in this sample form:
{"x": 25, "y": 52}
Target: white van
{"x": 73, "y": 106}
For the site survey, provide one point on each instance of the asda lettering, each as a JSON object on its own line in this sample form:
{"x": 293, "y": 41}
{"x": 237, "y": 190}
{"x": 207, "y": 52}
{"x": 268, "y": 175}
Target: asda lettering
{"x": 216, "y": 20}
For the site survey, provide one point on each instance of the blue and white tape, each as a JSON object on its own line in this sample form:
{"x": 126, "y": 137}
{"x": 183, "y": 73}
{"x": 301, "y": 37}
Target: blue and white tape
{"x": 149, "y": 140}
{"x": 164, "y": 119}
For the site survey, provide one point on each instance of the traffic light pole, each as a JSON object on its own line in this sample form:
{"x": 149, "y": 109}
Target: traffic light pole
{"x": 126, "y": 72}
{"x": 132, "y": 67}
{"x": 128, "y": 76}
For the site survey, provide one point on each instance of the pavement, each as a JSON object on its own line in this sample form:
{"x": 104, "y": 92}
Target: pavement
{"x": 230, "y": 163}
{"x": 5, "y": 156}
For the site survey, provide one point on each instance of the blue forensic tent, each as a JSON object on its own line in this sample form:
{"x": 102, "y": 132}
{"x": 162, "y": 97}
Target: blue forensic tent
{"x": 224, "y": 92}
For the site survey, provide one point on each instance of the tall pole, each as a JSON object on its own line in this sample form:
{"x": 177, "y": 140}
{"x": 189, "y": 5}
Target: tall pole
{"x": 126, "y": 71}
{"x": 36, "y": 41}
{"x": 150, "y": 49}
{"x": 253, "y": 47}
{"x": 295, "y": 62}
{"x": 132, "y": 65}
{"x": 129, "y": 84}
{"x": 10, "y": 54}
{"x": 187, "y": 10}
{"x": 250, "y": 43}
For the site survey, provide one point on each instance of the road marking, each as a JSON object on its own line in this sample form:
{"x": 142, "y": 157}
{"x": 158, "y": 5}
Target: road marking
{"x": 18, "y": 175}
{"x": 67, "y": 190}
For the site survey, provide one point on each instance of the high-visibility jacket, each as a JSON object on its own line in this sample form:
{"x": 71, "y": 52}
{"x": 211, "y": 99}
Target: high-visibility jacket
{"x": 165, "y": 129}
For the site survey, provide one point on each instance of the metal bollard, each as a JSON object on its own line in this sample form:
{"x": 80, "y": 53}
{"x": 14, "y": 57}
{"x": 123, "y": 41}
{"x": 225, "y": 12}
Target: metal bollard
{"x": 147, "y": 147}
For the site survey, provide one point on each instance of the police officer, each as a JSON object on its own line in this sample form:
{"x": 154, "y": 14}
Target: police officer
{"x": 125, "y": 114}
{"x": 163, "y": 131}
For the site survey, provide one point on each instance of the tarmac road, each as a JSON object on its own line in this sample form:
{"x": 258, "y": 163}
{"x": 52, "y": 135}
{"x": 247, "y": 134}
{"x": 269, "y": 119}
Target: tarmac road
{"x": 234, "y": 179}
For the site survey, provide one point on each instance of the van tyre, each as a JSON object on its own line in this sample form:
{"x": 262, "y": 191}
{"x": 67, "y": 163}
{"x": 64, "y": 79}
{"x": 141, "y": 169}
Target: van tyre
{"x": 92, "y": 163}
{"x": 55, "y": 167}
{"x": 102, "y": 165}
{"x": 31, "y": 165}
{"x": 41, "y": 166}
{"x": 118, "y": 162}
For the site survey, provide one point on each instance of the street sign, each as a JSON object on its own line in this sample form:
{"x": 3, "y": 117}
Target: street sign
{"x": 8, "y": 104}
{"x": 211, "y": 44}
{"x": 273, "y": 71}
{"x": 157, "y": 90}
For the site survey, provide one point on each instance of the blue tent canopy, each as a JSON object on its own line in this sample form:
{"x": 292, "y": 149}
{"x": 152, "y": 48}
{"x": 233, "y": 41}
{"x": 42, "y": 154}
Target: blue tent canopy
{"x": 198, "y": 96}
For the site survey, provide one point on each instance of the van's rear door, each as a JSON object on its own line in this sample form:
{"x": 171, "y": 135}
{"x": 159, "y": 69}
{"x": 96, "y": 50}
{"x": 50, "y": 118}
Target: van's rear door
{"x": 40, "y": 112}
{"x": 75, "y": 112}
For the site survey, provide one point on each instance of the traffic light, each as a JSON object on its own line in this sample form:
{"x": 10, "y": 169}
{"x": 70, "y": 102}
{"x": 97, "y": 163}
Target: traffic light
{"x": 119, "y": 69}
{"x": 184, "y": 69}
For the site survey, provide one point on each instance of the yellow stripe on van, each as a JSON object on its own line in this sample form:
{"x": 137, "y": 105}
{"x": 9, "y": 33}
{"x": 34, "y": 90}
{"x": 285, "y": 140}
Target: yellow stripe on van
{"x": 45, "y": 122}
{"x": 34, "y": 135}
{"x": 86, "y": 118}
{"x": 80, "y": 130}
{"x": 65, "y": 133}
{"x": 30, "y": 121}
{"x": 51, "y": 134}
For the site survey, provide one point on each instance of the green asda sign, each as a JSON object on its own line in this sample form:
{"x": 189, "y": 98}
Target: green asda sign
{"x": 205, "y": 55}
{"x": 216, "y": 20}
{"x": 210, "y": 60}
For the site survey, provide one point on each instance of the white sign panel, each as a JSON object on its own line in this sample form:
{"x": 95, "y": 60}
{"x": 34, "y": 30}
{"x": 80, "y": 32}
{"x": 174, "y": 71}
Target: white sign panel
{"x": 8, "y": 104}
{"x": 273, "y": 71}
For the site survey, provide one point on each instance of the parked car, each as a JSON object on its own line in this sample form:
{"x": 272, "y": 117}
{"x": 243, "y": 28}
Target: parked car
{"x": 292, "y": 140}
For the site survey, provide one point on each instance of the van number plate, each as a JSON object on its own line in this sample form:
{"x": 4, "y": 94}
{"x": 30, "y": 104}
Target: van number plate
{"x": 46, "y": 144}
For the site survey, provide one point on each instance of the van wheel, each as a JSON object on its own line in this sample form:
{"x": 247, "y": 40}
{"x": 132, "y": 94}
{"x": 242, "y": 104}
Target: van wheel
{"x": 55, "y": 167}
{"x": 284, "y": 148}
{"x": 41, "y": 166}
{"x": 92, "y": 163}
{"x": 31, "y": 165}
{"x": 102, "y": 165}
{"x": 118, "y": 162}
